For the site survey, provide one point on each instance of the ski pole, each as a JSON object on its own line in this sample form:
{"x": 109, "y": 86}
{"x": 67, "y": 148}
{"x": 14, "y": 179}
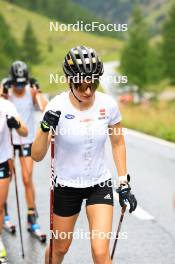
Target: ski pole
{"x": 118, "y": 230}
{"x": 18, "y": 206}
{"x": 51, "y": 194}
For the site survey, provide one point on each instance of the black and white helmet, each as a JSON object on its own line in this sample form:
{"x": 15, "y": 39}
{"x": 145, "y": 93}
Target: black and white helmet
{"x": 19, "y": 72}
{"x": 82, "y": 61}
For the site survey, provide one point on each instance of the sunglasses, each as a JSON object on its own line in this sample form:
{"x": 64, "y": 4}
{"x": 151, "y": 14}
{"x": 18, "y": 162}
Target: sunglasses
{"x": 82, "y": 87}
{"x": 19, "y": 85}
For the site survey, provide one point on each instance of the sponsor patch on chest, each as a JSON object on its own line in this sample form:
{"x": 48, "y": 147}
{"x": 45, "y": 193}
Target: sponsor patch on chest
{"x": 102, "y": 114}
{"x": 69, "y": 116}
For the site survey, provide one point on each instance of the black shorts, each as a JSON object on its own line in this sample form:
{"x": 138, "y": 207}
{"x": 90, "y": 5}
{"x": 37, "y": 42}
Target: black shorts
{"x": 22, "y": 150}
{"x": 68, "y": 200}
{"x": 5, "y": 171}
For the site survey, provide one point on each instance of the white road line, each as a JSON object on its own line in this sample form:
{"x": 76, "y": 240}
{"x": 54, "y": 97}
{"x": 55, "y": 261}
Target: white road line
{"x": 140, "y": 213}
{"x": 151, "y": 138}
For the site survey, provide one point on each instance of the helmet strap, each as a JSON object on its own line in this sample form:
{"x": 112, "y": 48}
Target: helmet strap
{"x": 75, "y": 95}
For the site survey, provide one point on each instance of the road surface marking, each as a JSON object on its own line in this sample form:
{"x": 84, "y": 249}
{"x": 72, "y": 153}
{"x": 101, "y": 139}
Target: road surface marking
{"x": 151, "y": 138}
{"x": 140, "y": 213}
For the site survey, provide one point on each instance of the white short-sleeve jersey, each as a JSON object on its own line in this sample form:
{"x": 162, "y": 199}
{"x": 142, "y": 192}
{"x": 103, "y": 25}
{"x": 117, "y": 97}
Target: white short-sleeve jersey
{"x": 80, "y": 140}
{"x": 25, "y": 108}
{"x": 6, "y": 108}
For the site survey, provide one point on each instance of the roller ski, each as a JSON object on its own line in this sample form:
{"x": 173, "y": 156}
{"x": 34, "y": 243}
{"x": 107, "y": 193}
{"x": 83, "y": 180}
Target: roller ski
{"x": 3, "y": 254}
{"x": 34, "y": 228}
{"x": 8, "y": 226}
{"x": 3, "y": 261}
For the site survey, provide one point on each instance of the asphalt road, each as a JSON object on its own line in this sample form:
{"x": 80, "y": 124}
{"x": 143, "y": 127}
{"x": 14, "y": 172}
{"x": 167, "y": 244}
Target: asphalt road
{"x": 149, "y": 233}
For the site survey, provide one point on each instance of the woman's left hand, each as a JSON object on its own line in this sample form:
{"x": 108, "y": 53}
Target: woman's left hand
{"x": 126, "y": 196}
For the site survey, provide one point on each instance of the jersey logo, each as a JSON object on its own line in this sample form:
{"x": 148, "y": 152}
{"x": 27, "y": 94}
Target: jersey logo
{"x": 86, "y": 120}
{"x": 68, "y": 116}
{"x": 102, "y": 113}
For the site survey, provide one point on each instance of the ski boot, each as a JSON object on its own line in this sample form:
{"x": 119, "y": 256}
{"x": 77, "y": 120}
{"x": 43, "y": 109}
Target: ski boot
{"x": 34, "y": 228}
{"x": 8, "y": 226}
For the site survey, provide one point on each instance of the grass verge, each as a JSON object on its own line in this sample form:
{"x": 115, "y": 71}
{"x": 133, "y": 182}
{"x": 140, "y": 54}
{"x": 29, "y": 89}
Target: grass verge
{"x": 157, "y": 119}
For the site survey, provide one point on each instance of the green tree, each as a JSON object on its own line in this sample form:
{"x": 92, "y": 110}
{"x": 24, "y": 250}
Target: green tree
{"x": 31, "y": 52}
{"x": 8, "y": 47}
{"x": 49, "y": 45}
{"x": 169, "y": 45}
{"x": 155, "y": 65}
{"x": 135, "y": 55}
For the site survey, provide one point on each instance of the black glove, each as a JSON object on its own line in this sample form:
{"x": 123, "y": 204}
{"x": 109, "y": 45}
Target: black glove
{"x": 12, "y": 122}
{"x": 126, "y": 196}
{"x": 6, "y": 85}
{"x": 50, "y": 119}
{"x": 35, "y": 83}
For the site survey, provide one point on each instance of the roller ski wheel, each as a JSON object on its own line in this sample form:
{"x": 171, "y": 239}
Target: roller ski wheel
{"x": 3, "y": 261}
{"x": 8, "y": 226}
{"x": 35, "y": 231}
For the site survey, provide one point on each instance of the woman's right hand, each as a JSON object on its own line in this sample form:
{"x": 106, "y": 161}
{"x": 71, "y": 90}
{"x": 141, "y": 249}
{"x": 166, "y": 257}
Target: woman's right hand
{"x": 50, "y": 119}
{"x": 12, "y": 122}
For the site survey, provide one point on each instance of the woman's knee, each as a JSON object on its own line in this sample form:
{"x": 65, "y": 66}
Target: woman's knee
{"x": 60, "y": 248}
{"x": 27, "y": 171}
{"x": 61, "y": 251}
{"x": 27, "y": 180}
{"x": 100, "y": 253}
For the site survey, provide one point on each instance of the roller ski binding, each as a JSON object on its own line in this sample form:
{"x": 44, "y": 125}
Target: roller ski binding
{"x": 34, "y": 228}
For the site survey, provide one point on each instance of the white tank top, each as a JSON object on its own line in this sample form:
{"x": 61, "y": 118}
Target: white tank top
{"x": 6, "y": 108}
{"x": 25, "y": 108}
{"x": 80, "y": 144}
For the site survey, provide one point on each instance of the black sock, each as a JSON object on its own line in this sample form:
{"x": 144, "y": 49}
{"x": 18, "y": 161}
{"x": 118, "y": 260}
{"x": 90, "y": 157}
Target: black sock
{"x": 31, "y": 210}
